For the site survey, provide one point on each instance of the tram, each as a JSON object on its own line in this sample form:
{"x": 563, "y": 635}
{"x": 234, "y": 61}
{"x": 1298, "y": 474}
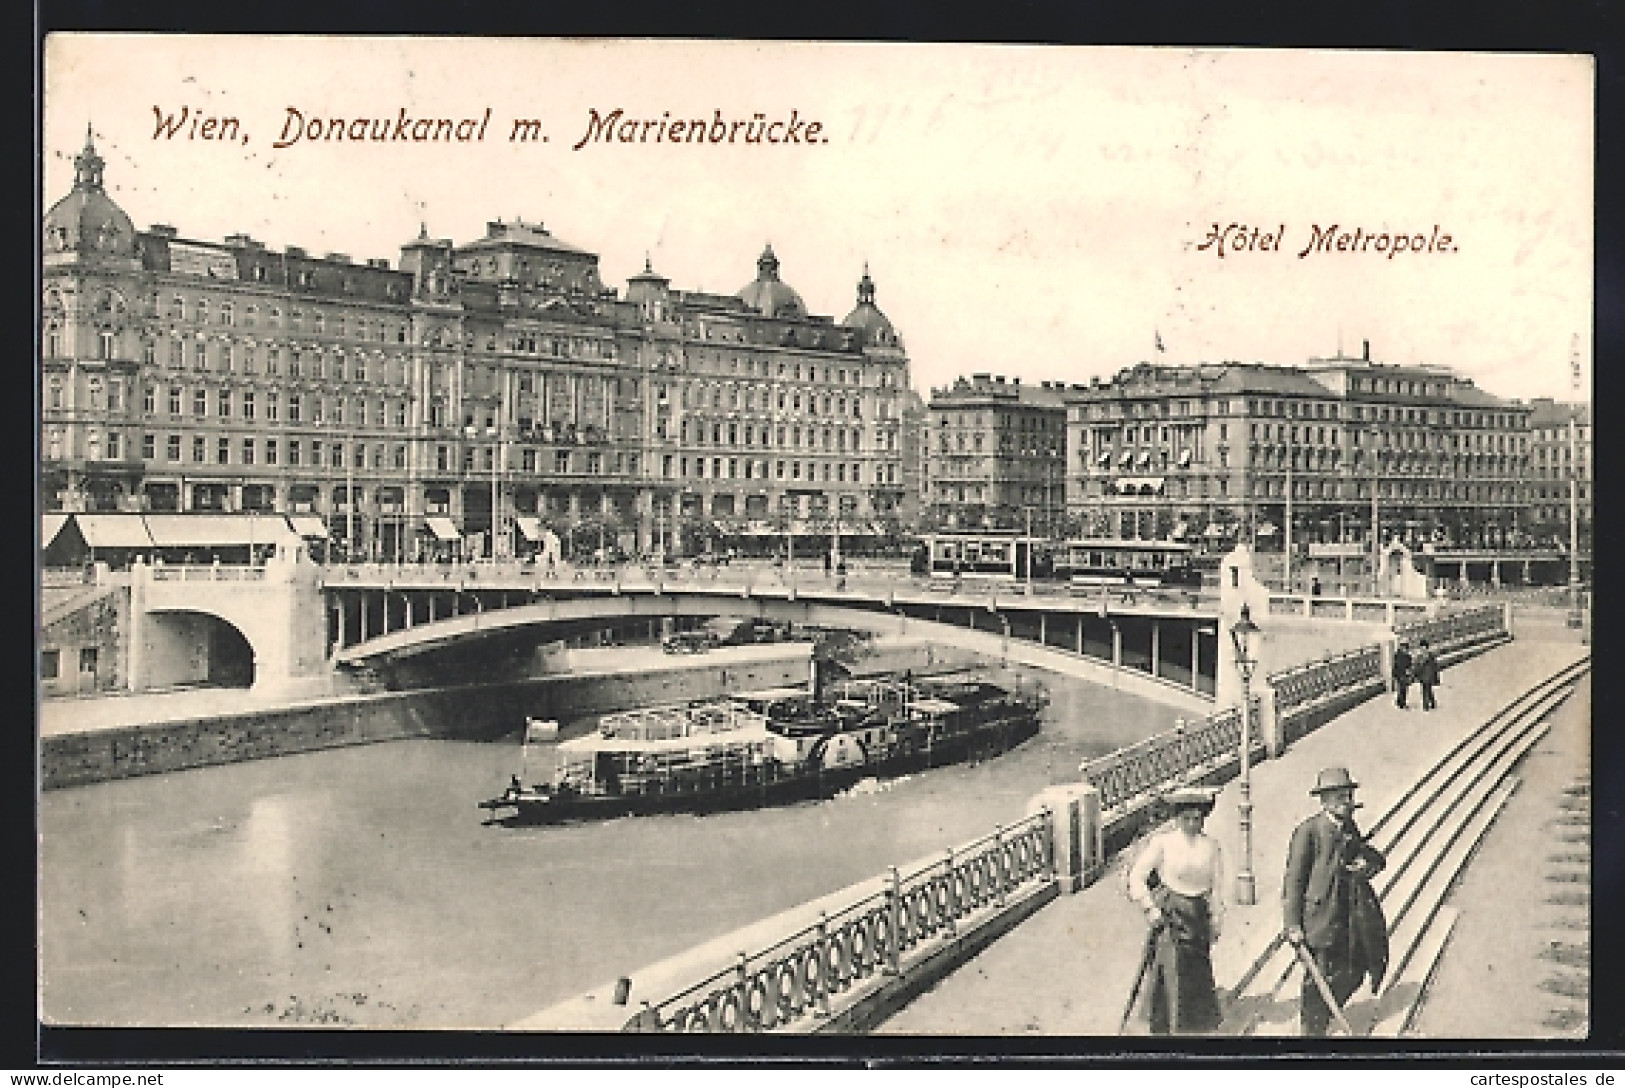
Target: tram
{"x": 1002, "y": 557}
{"x": 1127, "y": 562}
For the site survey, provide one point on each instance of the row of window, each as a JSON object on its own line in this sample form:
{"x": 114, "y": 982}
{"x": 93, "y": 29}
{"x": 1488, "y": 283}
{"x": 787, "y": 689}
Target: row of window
{"x": 760, "y": 368}
{"x": 250, "y": 404}
{"x": 732, "y": 434}
{"x": 761, "y": 398}
{"x": 1006, "y": 445}
{"x": 734, "y": 468}
{"x": 1291, "y": 409}
{"x": 272, "y": 451}
{"x": 199, "y": 311}
{"x": 227, "y": 357}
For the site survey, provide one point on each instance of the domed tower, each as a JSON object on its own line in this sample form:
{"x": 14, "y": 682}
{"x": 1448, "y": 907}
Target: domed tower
{"x": 874, "y": 327}
{"x": 767, "y": 294}
{"x": 90, "y": 343}
{"x": 86, "y": 227}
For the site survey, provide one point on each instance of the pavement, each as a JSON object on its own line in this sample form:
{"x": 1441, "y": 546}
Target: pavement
{"x": 1068, "y": 969}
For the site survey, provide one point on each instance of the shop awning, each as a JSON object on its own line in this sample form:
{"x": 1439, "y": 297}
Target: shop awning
{"x": 215, "y": 530}
{"x": 529, "y": 527}
{"x": 1145, "y": 458}
{"x": 443, "y": 529}
{"x": 49, "y": 526}
{"x": 1125, "y": 457}
{"x": 1139, "y": 485}
{"x": 1214, "y": 531}
{"x": 1105, "y": 458}
{"x": 114, "y": 530}
{"x": 308, "y": 526}
{"x": 1185, "y": 459}
{"x": 1179, "y": 531}
{"x": 1266, "y": 530}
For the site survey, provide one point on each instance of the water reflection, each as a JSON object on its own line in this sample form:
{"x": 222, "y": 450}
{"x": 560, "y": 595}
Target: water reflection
{"x": 358, "y": 886}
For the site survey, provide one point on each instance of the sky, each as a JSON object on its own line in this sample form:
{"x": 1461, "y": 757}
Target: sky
{"x": 1032, "y": 211}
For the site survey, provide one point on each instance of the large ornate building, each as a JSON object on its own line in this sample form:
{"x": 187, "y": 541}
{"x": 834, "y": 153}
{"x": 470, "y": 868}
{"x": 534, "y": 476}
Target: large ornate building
{"x": 476, "y": 394}
{"x": 1560, "y": 454}
{"x": 995, "y": 455}
{"x": 1207, "y": 451}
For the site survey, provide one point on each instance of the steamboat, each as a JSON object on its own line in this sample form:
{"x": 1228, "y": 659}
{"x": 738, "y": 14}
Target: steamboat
{"x": 765, "y": 748}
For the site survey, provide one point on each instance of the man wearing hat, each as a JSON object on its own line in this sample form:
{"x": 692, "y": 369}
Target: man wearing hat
{"x": 1178, "y": 880}
{"x": 1328, "y": 906}
{"x": 1402, "y": 673}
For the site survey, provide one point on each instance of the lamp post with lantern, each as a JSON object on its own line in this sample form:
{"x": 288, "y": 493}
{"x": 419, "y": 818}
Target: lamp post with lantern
{"x": 1244, "y": 636}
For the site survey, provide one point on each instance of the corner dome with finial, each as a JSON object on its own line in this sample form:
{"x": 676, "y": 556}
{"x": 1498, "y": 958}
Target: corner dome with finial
{"x": 866, "y": 316}
{"x": 767, "y": 294}
{"x": 86, "y": 222}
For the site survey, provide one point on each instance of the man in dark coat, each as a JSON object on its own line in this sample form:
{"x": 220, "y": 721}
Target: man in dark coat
{"x": 1402, "y": 673}
{"x": 1426, "y": 668}
{"x": 1328, "y": 906}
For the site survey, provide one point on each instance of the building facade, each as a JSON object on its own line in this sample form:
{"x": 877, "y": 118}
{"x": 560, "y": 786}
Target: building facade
{"x": 1209, "y": 452}
{"x": 1559, "y": 455}
{"x": 995, "y": 455}
{"x": 473, "y": 397}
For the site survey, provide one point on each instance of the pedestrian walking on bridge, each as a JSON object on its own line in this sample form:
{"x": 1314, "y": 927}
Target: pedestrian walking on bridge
{"x": 1426, "y": 668}
{"x": 1178, "y": 879}
{"x": 1328, "y": 906}
{"x": 1403, "y": 674}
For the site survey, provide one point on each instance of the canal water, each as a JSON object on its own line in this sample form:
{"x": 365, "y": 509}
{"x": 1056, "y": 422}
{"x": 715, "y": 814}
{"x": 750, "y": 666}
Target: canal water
{"x": 358, "y": 886}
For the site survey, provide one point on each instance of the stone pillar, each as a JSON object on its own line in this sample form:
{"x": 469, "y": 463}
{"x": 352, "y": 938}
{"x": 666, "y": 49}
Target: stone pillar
{"x": 1075, "y": 808}
{"x": 134, "y": 642}
{"x": 1117, "y": 646}
{"x": 1080, "y": 634}
{"x": 1043, "y": 629}
{"x": 361, "y": 611}
{"x": 1155, "y": 646}
{"x": 1269, "y": 721}
{"x": 1196, "y": 656}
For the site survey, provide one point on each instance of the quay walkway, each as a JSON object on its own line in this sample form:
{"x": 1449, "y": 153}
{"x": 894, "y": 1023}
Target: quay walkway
{"x": 1068, "y": 969}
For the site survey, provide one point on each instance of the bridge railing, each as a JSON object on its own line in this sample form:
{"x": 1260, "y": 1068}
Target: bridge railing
{"x": 1148, "y": 767}
{"x": 808, "y": 974}
{"x": 1307, "y": 695}
{"x": 1457, "y": 629}
{"x": 210, "y": 573}
{"x": 1352, "y": 609}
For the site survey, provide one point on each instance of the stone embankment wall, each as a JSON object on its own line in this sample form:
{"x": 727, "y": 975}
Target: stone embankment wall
{"x": 484, "y": 711}
{"x": 466, "y": 712}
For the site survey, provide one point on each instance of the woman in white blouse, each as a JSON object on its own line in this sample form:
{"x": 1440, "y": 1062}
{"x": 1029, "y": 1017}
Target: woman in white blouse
{"x": 1178, "y": 879}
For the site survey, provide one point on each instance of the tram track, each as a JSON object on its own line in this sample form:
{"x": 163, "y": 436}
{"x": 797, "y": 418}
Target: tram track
{"x": 1428, "y": 835}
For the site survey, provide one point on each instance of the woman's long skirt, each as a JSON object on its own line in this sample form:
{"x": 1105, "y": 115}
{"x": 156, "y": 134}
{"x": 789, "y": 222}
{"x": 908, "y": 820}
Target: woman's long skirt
{"x": 1181, "y": 998}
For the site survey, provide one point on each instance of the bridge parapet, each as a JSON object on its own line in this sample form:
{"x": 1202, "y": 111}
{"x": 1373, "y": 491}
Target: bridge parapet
{"x": 845, "y": 962}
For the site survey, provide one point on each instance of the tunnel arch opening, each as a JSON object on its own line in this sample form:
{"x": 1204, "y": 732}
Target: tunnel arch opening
{"x": 196, "y": 649}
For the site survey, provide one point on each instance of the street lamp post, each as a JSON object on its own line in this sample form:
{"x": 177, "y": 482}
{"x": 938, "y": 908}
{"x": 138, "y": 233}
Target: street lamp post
{"x": 1376, "y": 537}
{"x": 1029, "y": 512}
{"x": 1575, "y": 619}
{"x": 1245, "y": 635}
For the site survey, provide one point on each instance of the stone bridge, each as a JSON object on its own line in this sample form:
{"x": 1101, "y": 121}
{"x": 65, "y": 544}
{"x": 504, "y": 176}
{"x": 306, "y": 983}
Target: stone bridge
{"x": 290, "y": 621}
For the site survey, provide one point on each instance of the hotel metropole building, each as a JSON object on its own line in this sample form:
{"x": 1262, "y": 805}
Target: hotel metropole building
{"x": 497, "y": 384}
{"x": 1204, "y": 452}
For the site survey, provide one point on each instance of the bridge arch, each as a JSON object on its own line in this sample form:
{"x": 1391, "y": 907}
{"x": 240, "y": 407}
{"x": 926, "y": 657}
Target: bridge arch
{"x": 994, "y": 642}
{"x": 192, "y": 647}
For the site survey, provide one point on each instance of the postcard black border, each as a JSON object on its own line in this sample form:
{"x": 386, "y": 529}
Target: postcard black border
{"x": 1589, "y": 28}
